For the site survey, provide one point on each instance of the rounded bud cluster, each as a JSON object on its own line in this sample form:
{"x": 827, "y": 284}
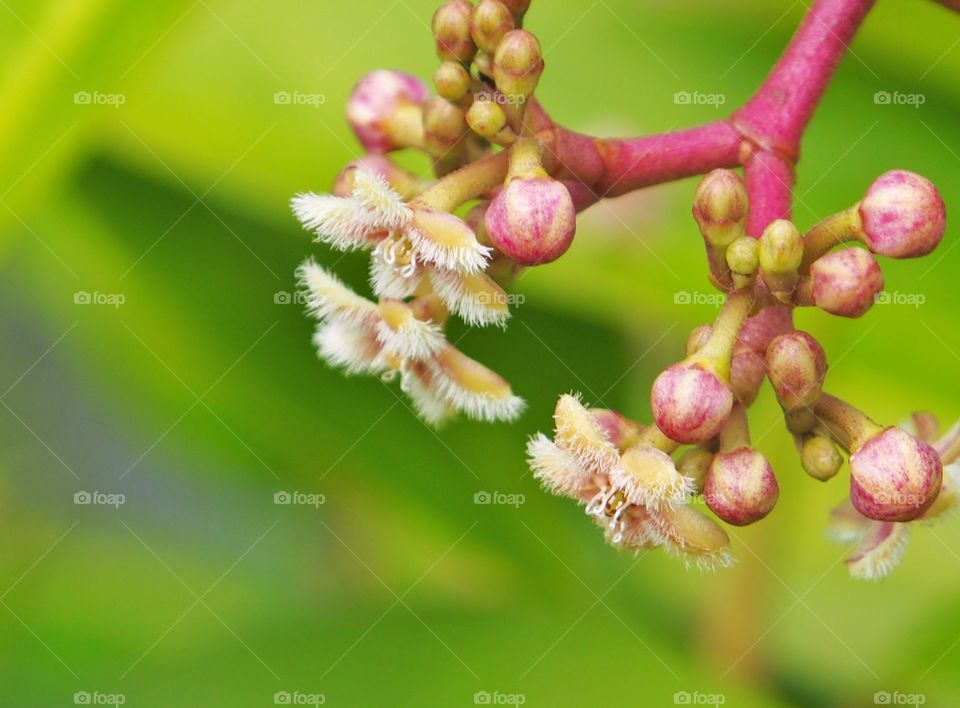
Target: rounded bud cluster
{"x": 490, "y": 22}
{"x": 902, "y": 215}
{"x": 740, "y": 487}
{"x": 690, "y": 403}
{"x": 451, "y": 30}
{"x": 518, "y": 64}
{"x": 894, "y": 476}
{"x": 797, "y": 365}
{"x": 377, "y": 98}
{"x": 720, "y": 207}
{"x": 845, "y": 283}
{"x": 532, "y": 220}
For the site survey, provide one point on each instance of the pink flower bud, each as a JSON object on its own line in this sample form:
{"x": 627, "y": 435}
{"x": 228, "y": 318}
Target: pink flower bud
{"x": 845, "y": 283}
{"x": 375, "y": 100}
{"x": 797, "y": 366}
{"x": 758, "y": 331}
{"x": 532, "y": 221}
{"x": 894, "y": 476}
{"x": 903, "y": 215}
{"x": 690, "y": 404}
{"x": 747, "y": 371}
{"x": 741, "y": 487}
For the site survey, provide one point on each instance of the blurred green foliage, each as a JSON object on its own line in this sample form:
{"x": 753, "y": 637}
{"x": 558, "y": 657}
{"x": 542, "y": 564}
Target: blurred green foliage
{"x": 199, "y": 397}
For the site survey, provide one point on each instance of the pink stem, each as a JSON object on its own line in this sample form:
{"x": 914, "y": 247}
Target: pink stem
{"x": 769, "y": 179}
{"x": 779, "y": 111}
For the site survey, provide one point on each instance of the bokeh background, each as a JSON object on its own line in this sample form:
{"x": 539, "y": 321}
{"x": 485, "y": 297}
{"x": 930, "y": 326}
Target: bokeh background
{"x": 199, "y": 397}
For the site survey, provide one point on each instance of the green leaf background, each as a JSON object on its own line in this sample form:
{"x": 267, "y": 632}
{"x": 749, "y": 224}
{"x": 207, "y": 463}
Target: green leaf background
{"x": 200, "y": 397}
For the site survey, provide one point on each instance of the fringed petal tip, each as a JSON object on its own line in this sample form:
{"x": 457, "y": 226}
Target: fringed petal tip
{"x": 556, "y": 469}
{"x": 476, "y": 299}
{"x": 373, "y": 192}
{"x": 578, "y": 433}
{"x": 341, "y": 223}
{"x": 880, "y": 551}
{"x": 350, "y": 348}
{"x": 327, "y": 297}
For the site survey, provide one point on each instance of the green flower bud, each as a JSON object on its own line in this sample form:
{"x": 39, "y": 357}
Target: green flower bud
{"x": 820, "y": 457}
{"x": 780, "y": 255}
{"x": 490, "y": 22}
{"x": 451, "y": 30}
{"x": 486, "y": 118}
{"x": 518, "y": 64}
{"x": 720, "y": 207}
{"x": 452, "y": 80}
{"x": 743, "y": 259}
{"x": 444, "y": 125}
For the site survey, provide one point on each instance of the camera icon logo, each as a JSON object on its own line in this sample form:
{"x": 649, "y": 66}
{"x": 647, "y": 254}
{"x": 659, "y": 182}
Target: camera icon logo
{"x": 82, "y": 698}
{"x": 682, "y": 298}
{"x": 82, "y": 498}
{"x": 682, "y": 698}
{"x": 82, "y": 98}
{"x": 682, "y": 98}
{"x": 282, "y": 298}
{"x": 882, "y": 698}
{"x": 482, "y": 498}
{"x": 882, "y": 98}
{"x": 282, "y": 498}
{"x": 282, "y": 98}
{"x": 82, "y": 297}
{"x": 282, "y": 698}
{"x": 482, "y": 698}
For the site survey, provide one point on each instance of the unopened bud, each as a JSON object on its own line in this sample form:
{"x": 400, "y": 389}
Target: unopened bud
{"x": 690, "y": 403}
{"x": 403, "y": 182}
{"x": 444, "y": 125}
{"x": 451, "y": 30}
{"x": 743, "y": 259}
{"x": 747, "y": 371}
{"x": 517, "y": 7}
{"x": 518, "y": 64}
{"x": 695, "y": 534}
{"x": 761, "y": 329}
{"x": 491, "y": 21}
{"x": 694, "y": 464}
{"x": 845, "y": 283}
{"x": 376, "y": 106}
{"x": 486, "y": 118}
{"x": 894, "y": 476}
{"x": 780, "y": 255}
{"x": 797, "y": 366}
{"x": 720, "y": 207}
{"x": 532, "y": 220}
{"x": 902, "y": 215}
{"x": 452, "y": 80}
{"x": 741, "y": 487}
{"x": 820, "y": 457}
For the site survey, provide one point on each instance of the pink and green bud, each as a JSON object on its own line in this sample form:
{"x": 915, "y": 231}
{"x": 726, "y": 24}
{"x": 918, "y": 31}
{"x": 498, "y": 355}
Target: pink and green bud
{"x": 532, "y": 220}
{"x": 384, "y": 110}
{"x": 743, "y": 259}
{"x": 902, "y": 215}
{"x": 720, "y": 207}
{"x": 797, "y": 366}
{"x": 517, "y": 7}
{"x": 451, "y": 31}
{"x": 780, "y": 255}
{"x": 894, "y": 476}
{"x": 845, "y": 283}
{"x": 761, "y": 329}
{"x": 452, "y": 80}
{"x": 690, "y": 403}
{"x": 518, "y": 64}
{"x": 492, "y": 19}
{"x": 740, "y": 486}
{"x": 747, "y": 371}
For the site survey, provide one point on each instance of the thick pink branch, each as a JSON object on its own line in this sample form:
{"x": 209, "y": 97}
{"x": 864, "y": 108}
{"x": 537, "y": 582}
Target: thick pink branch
{"x": 769, "y": 179}
{"x": 778, "y": 113}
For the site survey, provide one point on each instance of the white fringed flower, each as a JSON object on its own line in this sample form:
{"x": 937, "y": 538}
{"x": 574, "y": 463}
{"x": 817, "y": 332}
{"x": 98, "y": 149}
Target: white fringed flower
{"x": 404, "y": 336}
{"x": 557, "y": 470}
{"x": 447, "y": 242}
{"x": 350, "y": 347}
{"x": 648, "y": 477}
{"x": 328, "y": 298}
{"x": 387, "y": 280}
{"x": 475, "y": 298}
{"x": 348, "y": 223}
{"x": 880, "y": 551}
{"x": 430, "y": 406}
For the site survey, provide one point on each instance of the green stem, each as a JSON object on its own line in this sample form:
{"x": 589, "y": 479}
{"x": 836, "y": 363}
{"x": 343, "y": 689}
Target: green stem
{"x": 832, "y": 231}
{"x": 849, "y": 426}
{"x": 717, "y": 353}
{"x": 465, "y": 184}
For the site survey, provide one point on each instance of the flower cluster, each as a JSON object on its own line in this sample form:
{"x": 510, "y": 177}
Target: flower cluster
{"x": 506, "y": 188}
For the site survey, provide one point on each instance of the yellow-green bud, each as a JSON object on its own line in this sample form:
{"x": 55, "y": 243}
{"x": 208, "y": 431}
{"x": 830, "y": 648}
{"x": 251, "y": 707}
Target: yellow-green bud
{"x": 781, "y": 252}
{"x": 451, "y": 31}
{"x": 452, "y": 80}
{"x": 518, "y": 64}
{"x": 490, "y": 22}
{"x": 486, "y": 118}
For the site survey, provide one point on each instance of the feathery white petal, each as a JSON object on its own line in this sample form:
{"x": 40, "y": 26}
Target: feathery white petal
{"x": 479, "y": 405}
{"x": 880, "y": 552}
{"x": 475, "y": 298}
{"x": 413, "y": 339}
{"x": 557, "y": 470}
{"x": 327, "y": 297}
{"x": 387, "y": 280}
{"x": 349, "y": 347}
{"x": 463, "y": 258}
{"x": 373, "y": 192}
{"x": 340, "y": 222}
{"x": 427, "y": 402}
